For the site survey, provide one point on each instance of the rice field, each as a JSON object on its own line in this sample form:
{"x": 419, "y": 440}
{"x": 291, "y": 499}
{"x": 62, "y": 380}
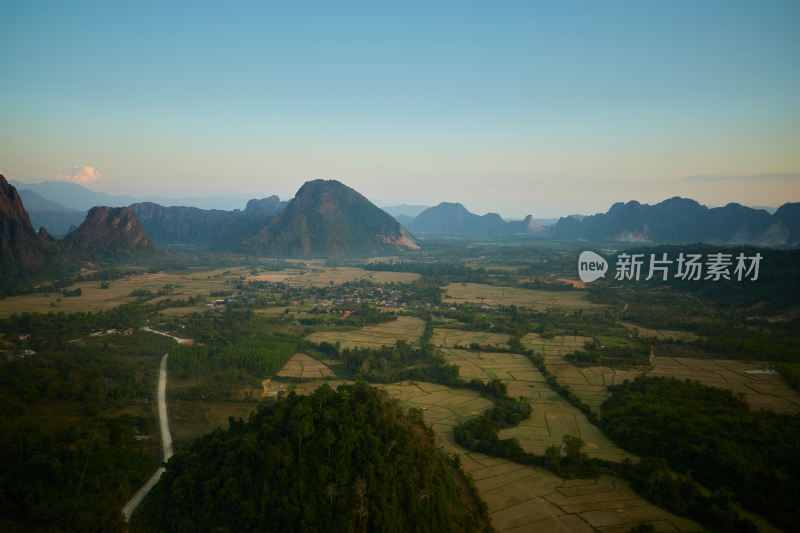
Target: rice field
{"x": 528, "y": 499}
{"x": 301, "y": 365}
{"x": 451, "y": 338}
{"x": 762, "y": 389}
{"x": 405, "y": 328}
{"x": 565, "y": 300}
{"x": 558, "y": 345}
{"x": 662, "y": 334}
{"x": 444, "y": 407}
{"x": 552, "y": 417}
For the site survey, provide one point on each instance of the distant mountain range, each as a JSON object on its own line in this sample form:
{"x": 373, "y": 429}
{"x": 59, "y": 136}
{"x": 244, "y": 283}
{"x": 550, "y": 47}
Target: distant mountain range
{"x": 454, "y": 218}
{"x": 61, "y": 206}
{"x": 79, "y": 198}
{"x": 325, "y": 219}
{"x": 328, "y": 219}
{"x": 405, "y": 210}
{"x": 681, "y": 220}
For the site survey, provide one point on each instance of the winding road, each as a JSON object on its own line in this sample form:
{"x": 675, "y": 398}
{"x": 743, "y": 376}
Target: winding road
{"x": 166, "y": 436}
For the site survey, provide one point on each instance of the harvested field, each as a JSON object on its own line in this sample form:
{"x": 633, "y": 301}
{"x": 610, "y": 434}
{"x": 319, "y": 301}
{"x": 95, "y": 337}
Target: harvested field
{"x": 322, "y": 276}
{"x": 558, "y": 345}
{"x": 491, "y": 365}
{"x": 303, "y": 366}
{"x": 451, "y": 338}
{"x": 566, "y": 300}
{"x": 552, "y": 416}
{"x": 662, "y": 334}
{"x": 762, "y": 390}
{"x": 405, "y": 328}
{"x": 444, "y": 407}
{"x": 93, "y": 298}
{"x": 589, "y": 383}
{"x": 529, "y": 499}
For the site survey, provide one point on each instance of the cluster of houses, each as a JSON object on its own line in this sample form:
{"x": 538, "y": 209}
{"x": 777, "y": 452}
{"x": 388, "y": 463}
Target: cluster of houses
{"x": 234, "y": 298}
{"x": 128, "y": 331}
{"x": 338, "y": 295}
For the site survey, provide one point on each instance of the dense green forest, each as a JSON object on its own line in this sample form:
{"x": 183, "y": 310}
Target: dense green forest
{"x": 69, "y": 456}
{"x": 715, "y": 436}
{"x": 345, "y": 460}
{"x": 261, "y": 356}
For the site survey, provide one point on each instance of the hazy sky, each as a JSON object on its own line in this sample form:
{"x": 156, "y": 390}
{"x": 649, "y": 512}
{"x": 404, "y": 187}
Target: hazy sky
{"x": 547, "y": 108}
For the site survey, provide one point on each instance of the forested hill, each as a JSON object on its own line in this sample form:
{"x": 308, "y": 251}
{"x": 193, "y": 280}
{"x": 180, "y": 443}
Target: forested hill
{"x": 327, "y": 218}
{"x": 332, "y": 461}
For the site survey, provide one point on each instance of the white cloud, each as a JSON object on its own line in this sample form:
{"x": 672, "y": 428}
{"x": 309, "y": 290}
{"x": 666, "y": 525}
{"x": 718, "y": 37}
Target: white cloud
{"x": 80, "y": 174}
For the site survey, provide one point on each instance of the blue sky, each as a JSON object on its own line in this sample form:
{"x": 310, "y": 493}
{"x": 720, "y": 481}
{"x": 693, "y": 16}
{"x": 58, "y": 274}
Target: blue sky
{"x": 514, "y": 107}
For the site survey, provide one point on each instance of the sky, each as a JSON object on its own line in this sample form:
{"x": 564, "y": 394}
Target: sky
{"x": 548, "y": 108}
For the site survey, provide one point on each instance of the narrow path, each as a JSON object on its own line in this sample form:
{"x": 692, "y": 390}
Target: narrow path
{"x": 166, "y": 436}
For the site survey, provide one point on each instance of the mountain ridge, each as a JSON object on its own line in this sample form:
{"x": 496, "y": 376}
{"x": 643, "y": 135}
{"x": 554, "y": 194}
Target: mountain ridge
{"x": 208, "y": 228}
{"x": 682, "y": 220}
{"x": 454, "y": 218}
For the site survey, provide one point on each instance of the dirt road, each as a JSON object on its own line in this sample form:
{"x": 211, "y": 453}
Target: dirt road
{"x": 166, "y": 436}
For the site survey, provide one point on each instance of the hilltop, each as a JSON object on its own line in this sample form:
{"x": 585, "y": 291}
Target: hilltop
{"x": 107, "y": 233}
{"x": 328, "y": 218}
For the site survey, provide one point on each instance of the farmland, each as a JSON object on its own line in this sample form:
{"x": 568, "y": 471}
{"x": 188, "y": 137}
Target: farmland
{"x": 404, "y": 328}
{"x": 763, "y": 390}
{"x": 452, "y": 338}
{"x": 523, "y": 498}
{"x": 322, "y": 276}
{"x": 302, "y": 366}
{"x": 181, "y": 286}
{"x": 311, "y": 301}
{"x": 662, "y": 334}
{"x": 552, "y": 416}
{"x": 541, "y": 300}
